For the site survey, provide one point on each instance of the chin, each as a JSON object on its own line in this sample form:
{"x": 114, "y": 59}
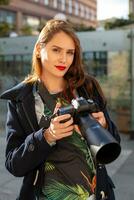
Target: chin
{"x": 62, "y": 74}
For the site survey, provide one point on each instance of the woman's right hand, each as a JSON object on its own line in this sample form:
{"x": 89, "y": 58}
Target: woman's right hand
{"x": 59, "y": 129}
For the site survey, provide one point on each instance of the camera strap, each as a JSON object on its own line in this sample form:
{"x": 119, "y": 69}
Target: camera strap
{"x": 83, "y": 92}
{"x": 101, "y": 182}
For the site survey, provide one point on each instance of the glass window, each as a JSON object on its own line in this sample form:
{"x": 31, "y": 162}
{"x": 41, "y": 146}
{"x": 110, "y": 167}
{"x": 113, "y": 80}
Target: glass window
{"x": 76, "y": 8}
{"x": 82, "y": 10}
{"x": 26, "y": 64}
{"x": 46, "y": 2}
{"x": 95, "y": 63}
{"x": 55, "y": 3}
{"x": 87, "y": 14}
{"x": 9, "y": 19}
{"x": 8, "y": 63}
{"x": 2, "y": 64}
{"x": 33, "y": 22}
{"x": 92, "y": 15}
{"x": 97, "y": 55}
{"x": 70, "y": 6}
{"x": 16, "y": 65}
{"x": 62, "y": 5}
{"x": 88, "y": 55}
{"x": 103, "y": 55}
{"x": 7, "y": 16}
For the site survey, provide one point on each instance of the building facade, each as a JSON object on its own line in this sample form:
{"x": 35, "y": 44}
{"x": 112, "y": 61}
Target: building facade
{"x": 131, "y": 6}
{"x": 34, "y": 12}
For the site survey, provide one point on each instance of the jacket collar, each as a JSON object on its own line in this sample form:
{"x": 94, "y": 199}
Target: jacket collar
{"x": 18, "y": 92}
{"x": 23, "y": 95}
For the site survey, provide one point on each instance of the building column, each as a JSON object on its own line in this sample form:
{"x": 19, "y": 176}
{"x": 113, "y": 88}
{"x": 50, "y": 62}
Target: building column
{"x": 131, "y": 36}
{"x": 19, "y": 22}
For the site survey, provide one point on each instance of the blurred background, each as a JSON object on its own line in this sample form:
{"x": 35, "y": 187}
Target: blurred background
{"x": 106, "y": 32}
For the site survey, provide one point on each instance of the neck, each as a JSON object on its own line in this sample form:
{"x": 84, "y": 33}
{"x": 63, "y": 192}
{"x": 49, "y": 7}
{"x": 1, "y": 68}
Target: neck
{"x": 54, "y": 84}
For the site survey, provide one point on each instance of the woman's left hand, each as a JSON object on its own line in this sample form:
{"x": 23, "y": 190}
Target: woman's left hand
{"x": 99, "y": 116}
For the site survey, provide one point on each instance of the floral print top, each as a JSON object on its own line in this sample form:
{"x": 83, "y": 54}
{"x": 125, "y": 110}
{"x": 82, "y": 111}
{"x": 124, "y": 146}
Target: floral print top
{"x": 69, "y": 170}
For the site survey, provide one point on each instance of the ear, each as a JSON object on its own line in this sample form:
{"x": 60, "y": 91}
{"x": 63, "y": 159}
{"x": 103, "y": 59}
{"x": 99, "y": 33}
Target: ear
{"x": 38, "y": 48}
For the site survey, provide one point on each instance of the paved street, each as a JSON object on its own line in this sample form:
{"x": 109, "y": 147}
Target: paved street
{"x": 121, "y": 170}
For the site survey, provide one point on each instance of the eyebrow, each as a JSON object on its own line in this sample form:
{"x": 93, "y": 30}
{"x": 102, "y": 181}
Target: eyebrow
{"x": 62, "y": 48}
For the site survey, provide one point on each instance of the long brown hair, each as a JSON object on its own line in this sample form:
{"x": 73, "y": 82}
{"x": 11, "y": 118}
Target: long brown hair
{"x": 75, "y": 76}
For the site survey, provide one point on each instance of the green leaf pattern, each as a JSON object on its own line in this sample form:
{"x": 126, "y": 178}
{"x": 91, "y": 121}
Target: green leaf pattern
{"x": 59, "y": 191}
{"x": 81, "y": 144}
{"x": 49, "y": 167}
{"x": 55, "y": 190}
{"x": 47, "y": 112}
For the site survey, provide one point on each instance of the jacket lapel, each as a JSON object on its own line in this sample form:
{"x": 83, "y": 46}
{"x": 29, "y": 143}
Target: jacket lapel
{"x": 28, "y": 106}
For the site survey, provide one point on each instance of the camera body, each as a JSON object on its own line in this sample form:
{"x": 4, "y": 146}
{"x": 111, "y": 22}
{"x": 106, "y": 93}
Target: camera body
{"x": 103, "y": 146}
{"x": 79, "y": 106}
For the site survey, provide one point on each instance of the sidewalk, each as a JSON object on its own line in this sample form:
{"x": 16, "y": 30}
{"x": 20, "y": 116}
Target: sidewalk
{"x": 9, "y": 185}
{"x": 121, "y": 171}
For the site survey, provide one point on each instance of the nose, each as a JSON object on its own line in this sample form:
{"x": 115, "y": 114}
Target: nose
{"x": 63, "y": 57}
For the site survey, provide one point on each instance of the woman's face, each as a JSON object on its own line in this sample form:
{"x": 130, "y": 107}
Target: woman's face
{"x": 57, "y": 55}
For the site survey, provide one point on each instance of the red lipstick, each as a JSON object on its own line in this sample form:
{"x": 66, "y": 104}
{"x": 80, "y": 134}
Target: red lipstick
{"x": 61, "y": 68}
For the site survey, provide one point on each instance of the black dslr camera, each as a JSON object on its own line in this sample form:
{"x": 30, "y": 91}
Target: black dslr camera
{"x": 103, "y": 146}
{"x": 79, "y": 106}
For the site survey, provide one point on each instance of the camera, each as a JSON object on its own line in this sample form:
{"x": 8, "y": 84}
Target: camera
{"x": 103, "y": 146}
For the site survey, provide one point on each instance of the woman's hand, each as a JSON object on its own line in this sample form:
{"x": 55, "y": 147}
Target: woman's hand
{"x": 60, "y": 127}
{"x": 76, "y": 128}
{"x": 99, "y": 116}
{"x": 58, "y": 130}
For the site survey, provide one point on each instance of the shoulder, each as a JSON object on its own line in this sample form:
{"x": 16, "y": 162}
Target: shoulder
{"x": 18, "y": 92}
{"x": 91, "y": 87}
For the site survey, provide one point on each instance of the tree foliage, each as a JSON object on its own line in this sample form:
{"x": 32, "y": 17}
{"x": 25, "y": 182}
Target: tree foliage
{"x": 26, "y": 30}
{"x": 4, "y": 2}
{"x": 120, "y": 22}
{"x": 82, "y": 27}
{"x": 5, "y": 29}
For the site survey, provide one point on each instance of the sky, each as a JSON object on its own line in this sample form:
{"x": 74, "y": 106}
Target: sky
{"x": 112, "y": 8}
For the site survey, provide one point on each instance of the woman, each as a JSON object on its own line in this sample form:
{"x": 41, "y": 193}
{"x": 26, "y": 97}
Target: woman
{"x": 51, "y": 153}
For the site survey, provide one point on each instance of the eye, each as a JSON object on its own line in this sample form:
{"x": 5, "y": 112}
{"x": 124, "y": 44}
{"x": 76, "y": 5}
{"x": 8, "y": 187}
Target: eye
{"x": 70, "y": 53}
{"x": 56, "y": 50}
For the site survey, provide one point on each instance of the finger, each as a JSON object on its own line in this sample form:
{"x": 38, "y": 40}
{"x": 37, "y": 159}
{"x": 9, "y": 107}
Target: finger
{"x": 67, "y": 129}
{"x": 100, "y": 118}
{"x": 66, "y": 122}
{"x": 61, "y": 117}
{"x": 52, "y": 133}
{"x": 60, "y": 132}
{"x": 59, "y": 125}
{"x": 96, "y": 115}
{"x": 58, "y": 105}
{"x": 77, "y": 129}
{"x": 63, "y": 130}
